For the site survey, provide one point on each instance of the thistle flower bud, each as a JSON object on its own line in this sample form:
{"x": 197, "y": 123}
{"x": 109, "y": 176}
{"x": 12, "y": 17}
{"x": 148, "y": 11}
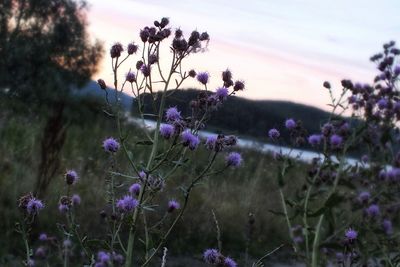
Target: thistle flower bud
{"x": 130, "y": 77}
{"x": 102, "y": 84}
{"x": 238, "y": 86}
{"x": 178, "y": 33}
{"x": 173, "y": 205}
{"x": 204, "y": 36}
{"x": 116, "y": 50}
{"x": 132, "y": 48}
{"x": 180, "y": 45}
{"x": 146, "y": 70}
{"x": 192, "y": 73}
{"x": 164, "y": 22}
{"x": 166, "y": 33}
{"x": 139, "y": 64}
{"x": 194, "y": 38}
{"x": 327, "y": 85}
{"x": 144, "y": 35}
{"x": 153, "y": 59}
{"x": 71, "y": 177}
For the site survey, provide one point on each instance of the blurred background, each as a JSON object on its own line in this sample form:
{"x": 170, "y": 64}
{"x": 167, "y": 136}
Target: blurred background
{"x": 52, "y": 119}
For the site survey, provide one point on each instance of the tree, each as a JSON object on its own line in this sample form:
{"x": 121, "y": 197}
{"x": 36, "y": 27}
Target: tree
{"x": 44, "y": 52}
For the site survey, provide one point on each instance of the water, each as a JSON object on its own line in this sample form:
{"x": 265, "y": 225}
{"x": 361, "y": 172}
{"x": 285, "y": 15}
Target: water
{"x": 298, "y": 154}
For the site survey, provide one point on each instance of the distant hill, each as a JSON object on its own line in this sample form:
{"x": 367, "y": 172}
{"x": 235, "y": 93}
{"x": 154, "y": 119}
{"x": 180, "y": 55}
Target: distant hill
{"x": 92, "y": 89}
{"x": 249, "y": 117}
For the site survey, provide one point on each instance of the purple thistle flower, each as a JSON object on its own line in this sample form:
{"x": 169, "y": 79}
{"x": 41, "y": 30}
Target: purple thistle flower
{"x": 130, "y": 77}
{"x": 363, "y": 197}
{"x": 339, "y": 257}
{"x": 63, "y": 208}
{"x": 116, "y": 50}
{"x": 110, "y": 145}
{"x": 103, "y": 257}
{"x": 274, "y": 134}
{"x": 146, "y": 70}
{"x": 327, "y": 129}
{"x": 40, "y": 252}
{"x": 396, "y": 70}
{"x": 173, "y": 205}
{"x": 222, "y": 93}
{"x": 314, "y": 139}
{"x": 167, "y": 130}
{"x": 397, "y": 106}
{"x": 202, "y": 77}
{"x": 336, "y": 141}
{"x": 71, "y": 177}
{"x": 67, "y": 243}
{"x": 132, "y": 48}
{"x": 172, "y": 114}
{"x": 373, "y": 210}
{"x": 382, "y": 175}
{"x": 34, "y": 206}
{"x": 228, "y": 262}
{"x": 212, "y": 256}
{"x": 142, "y": 175}
{"x": 127, "y": 204}
{"x": 190, "y": 140}
{"x": 211, "y": 141}
{"x": 134, "y": 189}
{"x": 382, "y": 103}
{"x": 298, "y": 239}
{"x": 76, "y": 200}
{"x": 238, "y": 86}
{"x": 351, "y": 234}
{"x": 365, "y": 159}
{"x": 290, "y": 124}
{"x": 43, "y": 237}
{"x": 387, "y": 226}
{"x": 393, "y": 175}
{"x": 118, "y": 258}
{"x": 30, "y": 263}
{"x": 233, "y": 159}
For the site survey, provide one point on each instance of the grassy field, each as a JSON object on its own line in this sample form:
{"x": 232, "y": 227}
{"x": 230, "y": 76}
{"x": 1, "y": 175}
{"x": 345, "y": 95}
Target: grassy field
{"x": 232, "y": 196}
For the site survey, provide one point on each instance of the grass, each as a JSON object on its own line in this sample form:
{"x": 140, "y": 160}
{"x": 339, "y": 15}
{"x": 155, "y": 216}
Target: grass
{"x": 232, "y": 195}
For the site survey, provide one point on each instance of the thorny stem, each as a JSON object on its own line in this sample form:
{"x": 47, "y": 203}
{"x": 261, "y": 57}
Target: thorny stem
{"x": 259, "y": 262}
{"x": 149, "y": 163}
{"x": 187, "y": 194}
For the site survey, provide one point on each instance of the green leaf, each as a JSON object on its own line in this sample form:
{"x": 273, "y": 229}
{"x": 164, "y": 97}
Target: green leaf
{"x": 277, "y": 213}
{"x": 145, "y": 142}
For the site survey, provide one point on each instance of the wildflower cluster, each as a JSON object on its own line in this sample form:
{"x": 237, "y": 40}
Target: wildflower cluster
{"x": 133, "y": 196}
{"x": 360, "y": 199}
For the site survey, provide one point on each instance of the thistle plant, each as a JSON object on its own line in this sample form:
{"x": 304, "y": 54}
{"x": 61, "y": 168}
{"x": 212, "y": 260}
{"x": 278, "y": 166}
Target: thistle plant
{"x": 343, "y": 214}
{"x": 138, "y": 224}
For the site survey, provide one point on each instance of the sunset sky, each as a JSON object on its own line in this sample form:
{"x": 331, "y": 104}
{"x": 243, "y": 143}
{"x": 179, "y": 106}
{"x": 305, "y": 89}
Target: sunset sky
{"x": 283, "y": 49}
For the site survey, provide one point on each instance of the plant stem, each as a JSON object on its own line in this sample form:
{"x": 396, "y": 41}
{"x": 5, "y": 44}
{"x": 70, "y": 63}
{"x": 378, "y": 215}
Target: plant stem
{"x": 315, "y": 254}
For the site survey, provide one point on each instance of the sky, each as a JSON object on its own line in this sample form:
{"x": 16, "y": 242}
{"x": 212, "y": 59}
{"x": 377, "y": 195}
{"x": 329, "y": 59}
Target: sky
{"x": 282, "y": 49}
